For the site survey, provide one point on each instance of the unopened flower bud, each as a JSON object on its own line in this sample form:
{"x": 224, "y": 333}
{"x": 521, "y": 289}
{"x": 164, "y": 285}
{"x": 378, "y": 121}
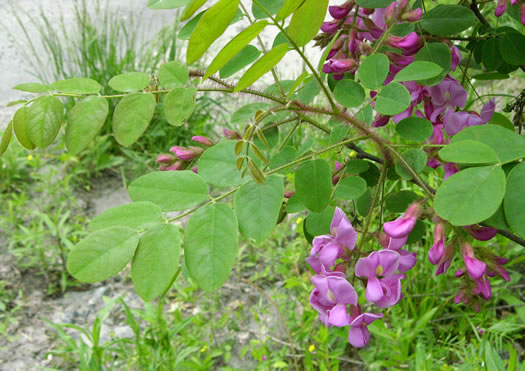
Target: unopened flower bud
{"x": 330, "y": 27}
{"x": 230, "y": 134}
{"x": 165, "y": 159}
{"x": 475, "y": 268}
{"x": 203, "y": 140}
{"x": 289, "y": 194}
{"x": 436, "y": 251}
{"x": 195, "y": 169}
{"x": 402, "y": 226}
{"x": 413, "y": 15}
{"x": 340, "y": 12}
{"x": 406, "y": 42}
{"x": 183, "y": 153}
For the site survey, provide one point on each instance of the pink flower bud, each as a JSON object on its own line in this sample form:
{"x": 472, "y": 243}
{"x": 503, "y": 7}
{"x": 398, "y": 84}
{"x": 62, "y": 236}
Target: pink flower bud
{"x": 475, "y": 268}
{"x": 500, "y": 8}
{"x": 203, "y": 140}
{"x": 380, "y": 120}
{"x": 413, "y": 15}
{"x": 481, "y": 233}
{"x": 179, "y": 165}
{"x": 402, "y": 226}
{"x": 195, "y": 169}
{"x": 444, "y": 263}
{"x": 436, "y": 251}
{"x": 391, "y": 13}
{"x": 339, "y": 12}
{"x": 182, "y": 153}
{"x": 289, "y": 194}
{"x": 338, "y": 165}
{"x": 230, "y": 134}
{"x": 330, "y": 27}
{"x": 406, "y": 42}
{"x": 522, "y": 14}
{"x": 165, "y": 159}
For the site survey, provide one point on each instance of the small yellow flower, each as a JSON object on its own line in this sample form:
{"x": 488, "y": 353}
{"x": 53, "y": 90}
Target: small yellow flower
{"x": 29, "y": 158}
{"x": 299, "y": 220}
{"x": 352, "y": 154}
{"x": 204, "y": 348}
{"x": 311, "y": 348}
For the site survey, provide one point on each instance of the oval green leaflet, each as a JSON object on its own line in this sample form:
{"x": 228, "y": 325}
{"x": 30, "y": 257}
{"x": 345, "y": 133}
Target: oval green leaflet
{"x": 262, "y": 66}
{"x": 44, "y": 119}
{"x": 234, "y": 47}
{"x": 84, "y": 121}
{"x": 132, "y": 117}
{"x": 179, "y": 105}
{"x": 212, "y": 24}
{"x": 210, "y": 245}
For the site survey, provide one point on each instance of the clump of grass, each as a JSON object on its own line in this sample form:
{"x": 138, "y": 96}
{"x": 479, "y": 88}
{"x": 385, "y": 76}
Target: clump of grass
{"x": 98, "y": 41}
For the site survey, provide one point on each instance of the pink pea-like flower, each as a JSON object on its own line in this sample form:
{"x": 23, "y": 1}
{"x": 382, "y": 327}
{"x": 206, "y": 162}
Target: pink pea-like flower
{"x": 326, "y": 249}
{"x": 358, "y": 335}
{"x": 402, "y": 226}
{"x": 436, "y": 251}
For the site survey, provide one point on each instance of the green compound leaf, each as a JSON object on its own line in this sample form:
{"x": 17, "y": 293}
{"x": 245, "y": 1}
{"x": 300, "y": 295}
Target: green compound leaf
{"x": 313, "y": 184}
{"x": 173, "y": 74}
{"x": 418, "y": 70}
{"x": 512, "y": 48}
{"x": 349, "y": 93}
{"x": 156, "y": 261}
{"x": 469, "y": 152}
{"x": 171, "y": 190}
{"x": 211, "y": 25}
{"x": 137, "y": 215}
{"x": 210, "y": 245}
{"x": 262, "y": 66}
{"x": 470, "y": 196}
{"x": 350, "y": 188}
{"x": 179, "y": 105}
{"x": 132, "y": 117}
{"x": 166, "y": 4}
{"x": 307, "y": 20}
{"x": 393, "y": 99}
{"x": 508, "y": 145}
{"x": 439, "y": 54}
{"x": 257, "y": 207}
{"x": 234, "y": 47}
{"x": 102, "y": 254}
{"x": 218, "y": 165}
{"x": 33, "y": 87}
{"x": 130, "y": 82}
{"x": 514, "y": 203}
{"x": 6, "y": 138}
{"x": 43, "y": 120}
{"x": 444, "y": 20}
{"x": 416, "y": 158}
{"x": 20, "y": 123}
{"x": 244, "y": 58}
{"x": 84, "y": 121}
{"x": 415, "y": 128}
{"x": 371, "y": 4}
{"x": 77, "y": 85}
{"x": 373, "y": 71}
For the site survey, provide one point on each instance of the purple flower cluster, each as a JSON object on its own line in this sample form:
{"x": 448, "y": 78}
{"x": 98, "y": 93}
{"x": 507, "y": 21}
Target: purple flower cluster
{"x": 502, "y": 6}
{"x": 334, "y": 298}
{"x": 363, "y": 31}
{"x": 184, "y": 157}
{"x": 479, "y": 267}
